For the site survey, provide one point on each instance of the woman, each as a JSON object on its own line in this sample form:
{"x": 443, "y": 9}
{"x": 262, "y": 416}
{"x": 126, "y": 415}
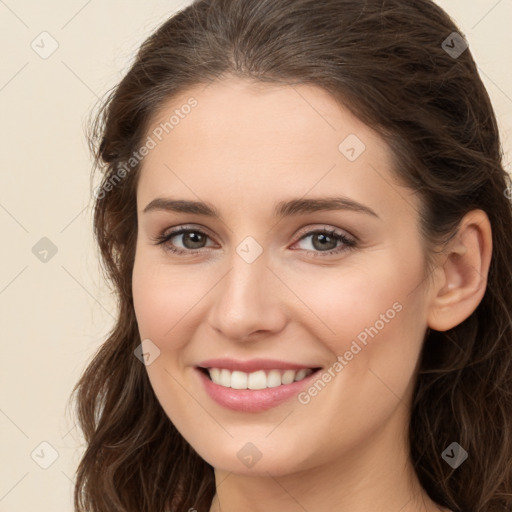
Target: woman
{"x": 305, "y": 215}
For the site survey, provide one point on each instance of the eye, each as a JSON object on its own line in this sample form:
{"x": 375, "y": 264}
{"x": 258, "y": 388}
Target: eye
{"x": 324, "y": 242}
{"x": 192, "y": 239}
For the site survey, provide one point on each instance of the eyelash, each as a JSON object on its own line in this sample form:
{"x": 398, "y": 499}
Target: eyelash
{"x": 348, "y": 243}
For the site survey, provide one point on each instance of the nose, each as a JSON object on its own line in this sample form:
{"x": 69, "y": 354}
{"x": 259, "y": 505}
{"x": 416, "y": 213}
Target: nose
{"x": 248, "y": 302}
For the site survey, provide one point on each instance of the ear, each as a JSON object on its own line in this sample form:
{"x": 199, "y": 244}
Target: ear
{"x": 461, "y": 277}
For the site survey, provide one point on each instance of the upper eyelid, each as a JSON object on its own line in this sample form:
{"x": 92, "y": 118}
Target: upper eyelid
{"x": 318, "y": 227}
{"x": 178, "y": 230}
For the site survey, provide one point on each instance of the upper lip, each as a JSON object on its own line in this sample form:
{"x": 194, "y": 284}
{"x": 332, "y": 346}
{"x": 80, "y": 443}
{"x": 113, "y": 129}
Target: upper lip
{"x": 253, "y": 365}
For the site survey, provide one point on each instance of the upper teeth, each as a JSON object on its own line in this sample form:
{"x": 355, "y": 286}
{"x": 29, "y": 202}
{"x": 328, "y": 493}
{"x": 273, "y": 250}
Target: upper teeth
{"x": 256, "y": 380}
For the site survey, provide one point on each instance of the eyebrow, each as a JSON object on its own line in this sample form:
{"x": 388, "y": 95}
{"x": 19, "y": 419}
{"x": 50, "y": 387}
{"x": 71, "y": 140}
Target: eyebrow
{"x": 281, "y": 209}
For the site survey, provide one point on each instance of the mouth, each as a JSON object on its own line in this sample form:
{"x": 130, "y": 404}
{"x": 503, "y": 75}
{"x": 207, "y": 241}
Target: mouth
{"x": 254, "y": 385}
{"x": 259, "y": 379}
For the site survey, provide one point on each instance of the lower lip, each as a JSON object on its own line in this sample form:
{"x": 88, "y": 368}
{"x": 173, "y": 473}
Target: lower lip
{"x": 253, "y": 400}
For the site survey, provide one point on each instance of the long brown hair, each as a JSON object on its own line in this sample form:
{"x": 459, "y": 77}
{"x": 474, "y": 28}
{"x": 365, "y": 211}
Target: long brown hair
{"x": 387, "y": 61}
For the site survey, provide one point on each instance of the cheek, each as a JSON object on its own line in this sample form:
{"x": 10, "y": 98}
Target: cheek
{"x": 371, "y": 300}
{"x": 163, "y": 296}
{"x": 372, "y": 319}
{"x": 379, "y": 316}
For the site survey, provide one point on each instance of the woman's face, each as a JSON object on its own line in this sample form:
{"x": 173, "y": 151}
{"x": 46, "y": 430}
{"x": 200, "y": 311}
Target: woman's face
{"x": 267, "y": 286}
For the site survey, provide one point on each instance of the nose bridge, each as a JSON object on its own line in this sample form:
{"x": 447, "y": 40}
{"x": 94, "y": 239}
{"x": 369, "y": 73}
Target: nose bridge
{"x": 246, "y": 300}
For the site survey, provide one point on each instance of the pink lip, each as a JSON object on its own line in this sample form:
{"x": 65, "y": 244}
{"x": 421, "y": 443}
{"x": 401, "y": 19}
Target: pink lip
{"x": 252, "y": 400}
{"x": 253, "y": 365}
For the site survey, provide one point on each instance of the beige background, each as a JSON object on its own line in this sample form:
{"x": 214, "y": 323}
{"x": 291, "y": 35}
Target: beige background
{"x": 54, "y": 315}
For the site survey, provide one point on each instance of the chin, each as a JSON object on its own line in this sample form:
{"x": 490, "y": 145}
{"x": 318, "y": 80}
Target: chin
{"x": 256, "y": 458}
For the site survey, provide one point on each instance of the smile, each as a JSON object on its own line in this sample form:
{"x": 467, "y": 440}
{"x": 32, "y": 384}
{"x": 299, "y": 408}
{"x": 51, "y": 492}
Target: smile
{"x": 253, "y": 386}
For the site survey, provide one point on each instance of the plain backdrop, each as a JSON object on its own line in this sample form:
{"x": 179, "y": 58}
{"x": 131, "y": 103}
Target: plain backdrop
{"x": 55, "y": 308}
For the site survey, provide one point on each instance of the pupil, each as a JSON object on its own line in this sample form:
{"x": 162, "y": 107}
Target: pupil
{"x": 324, "y": 238}
{"x": 191, "y": 236}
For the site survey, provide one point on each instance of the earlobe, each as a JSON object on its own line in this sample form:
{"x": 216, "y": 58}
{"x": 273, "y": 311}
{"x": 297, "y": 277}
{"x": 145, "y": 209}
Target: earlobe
{"x": 461, "y": 278}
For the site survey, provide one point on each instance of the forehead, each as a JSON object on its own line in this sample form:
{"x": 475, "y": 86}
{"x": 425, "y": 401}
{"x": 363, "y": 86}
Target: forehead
{"x": 251, "y": 113}
{"x": 242, "y": 139}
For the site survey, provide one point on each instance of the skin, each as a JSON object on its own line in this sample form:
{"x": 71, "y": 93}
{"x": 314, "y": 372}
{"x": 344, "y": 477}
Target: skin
{"x": 243, "y": 148}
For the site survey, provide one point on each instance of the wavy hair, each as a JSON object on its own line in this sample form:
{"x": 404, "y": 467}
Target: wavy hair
{"x": 384, "y": 60}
